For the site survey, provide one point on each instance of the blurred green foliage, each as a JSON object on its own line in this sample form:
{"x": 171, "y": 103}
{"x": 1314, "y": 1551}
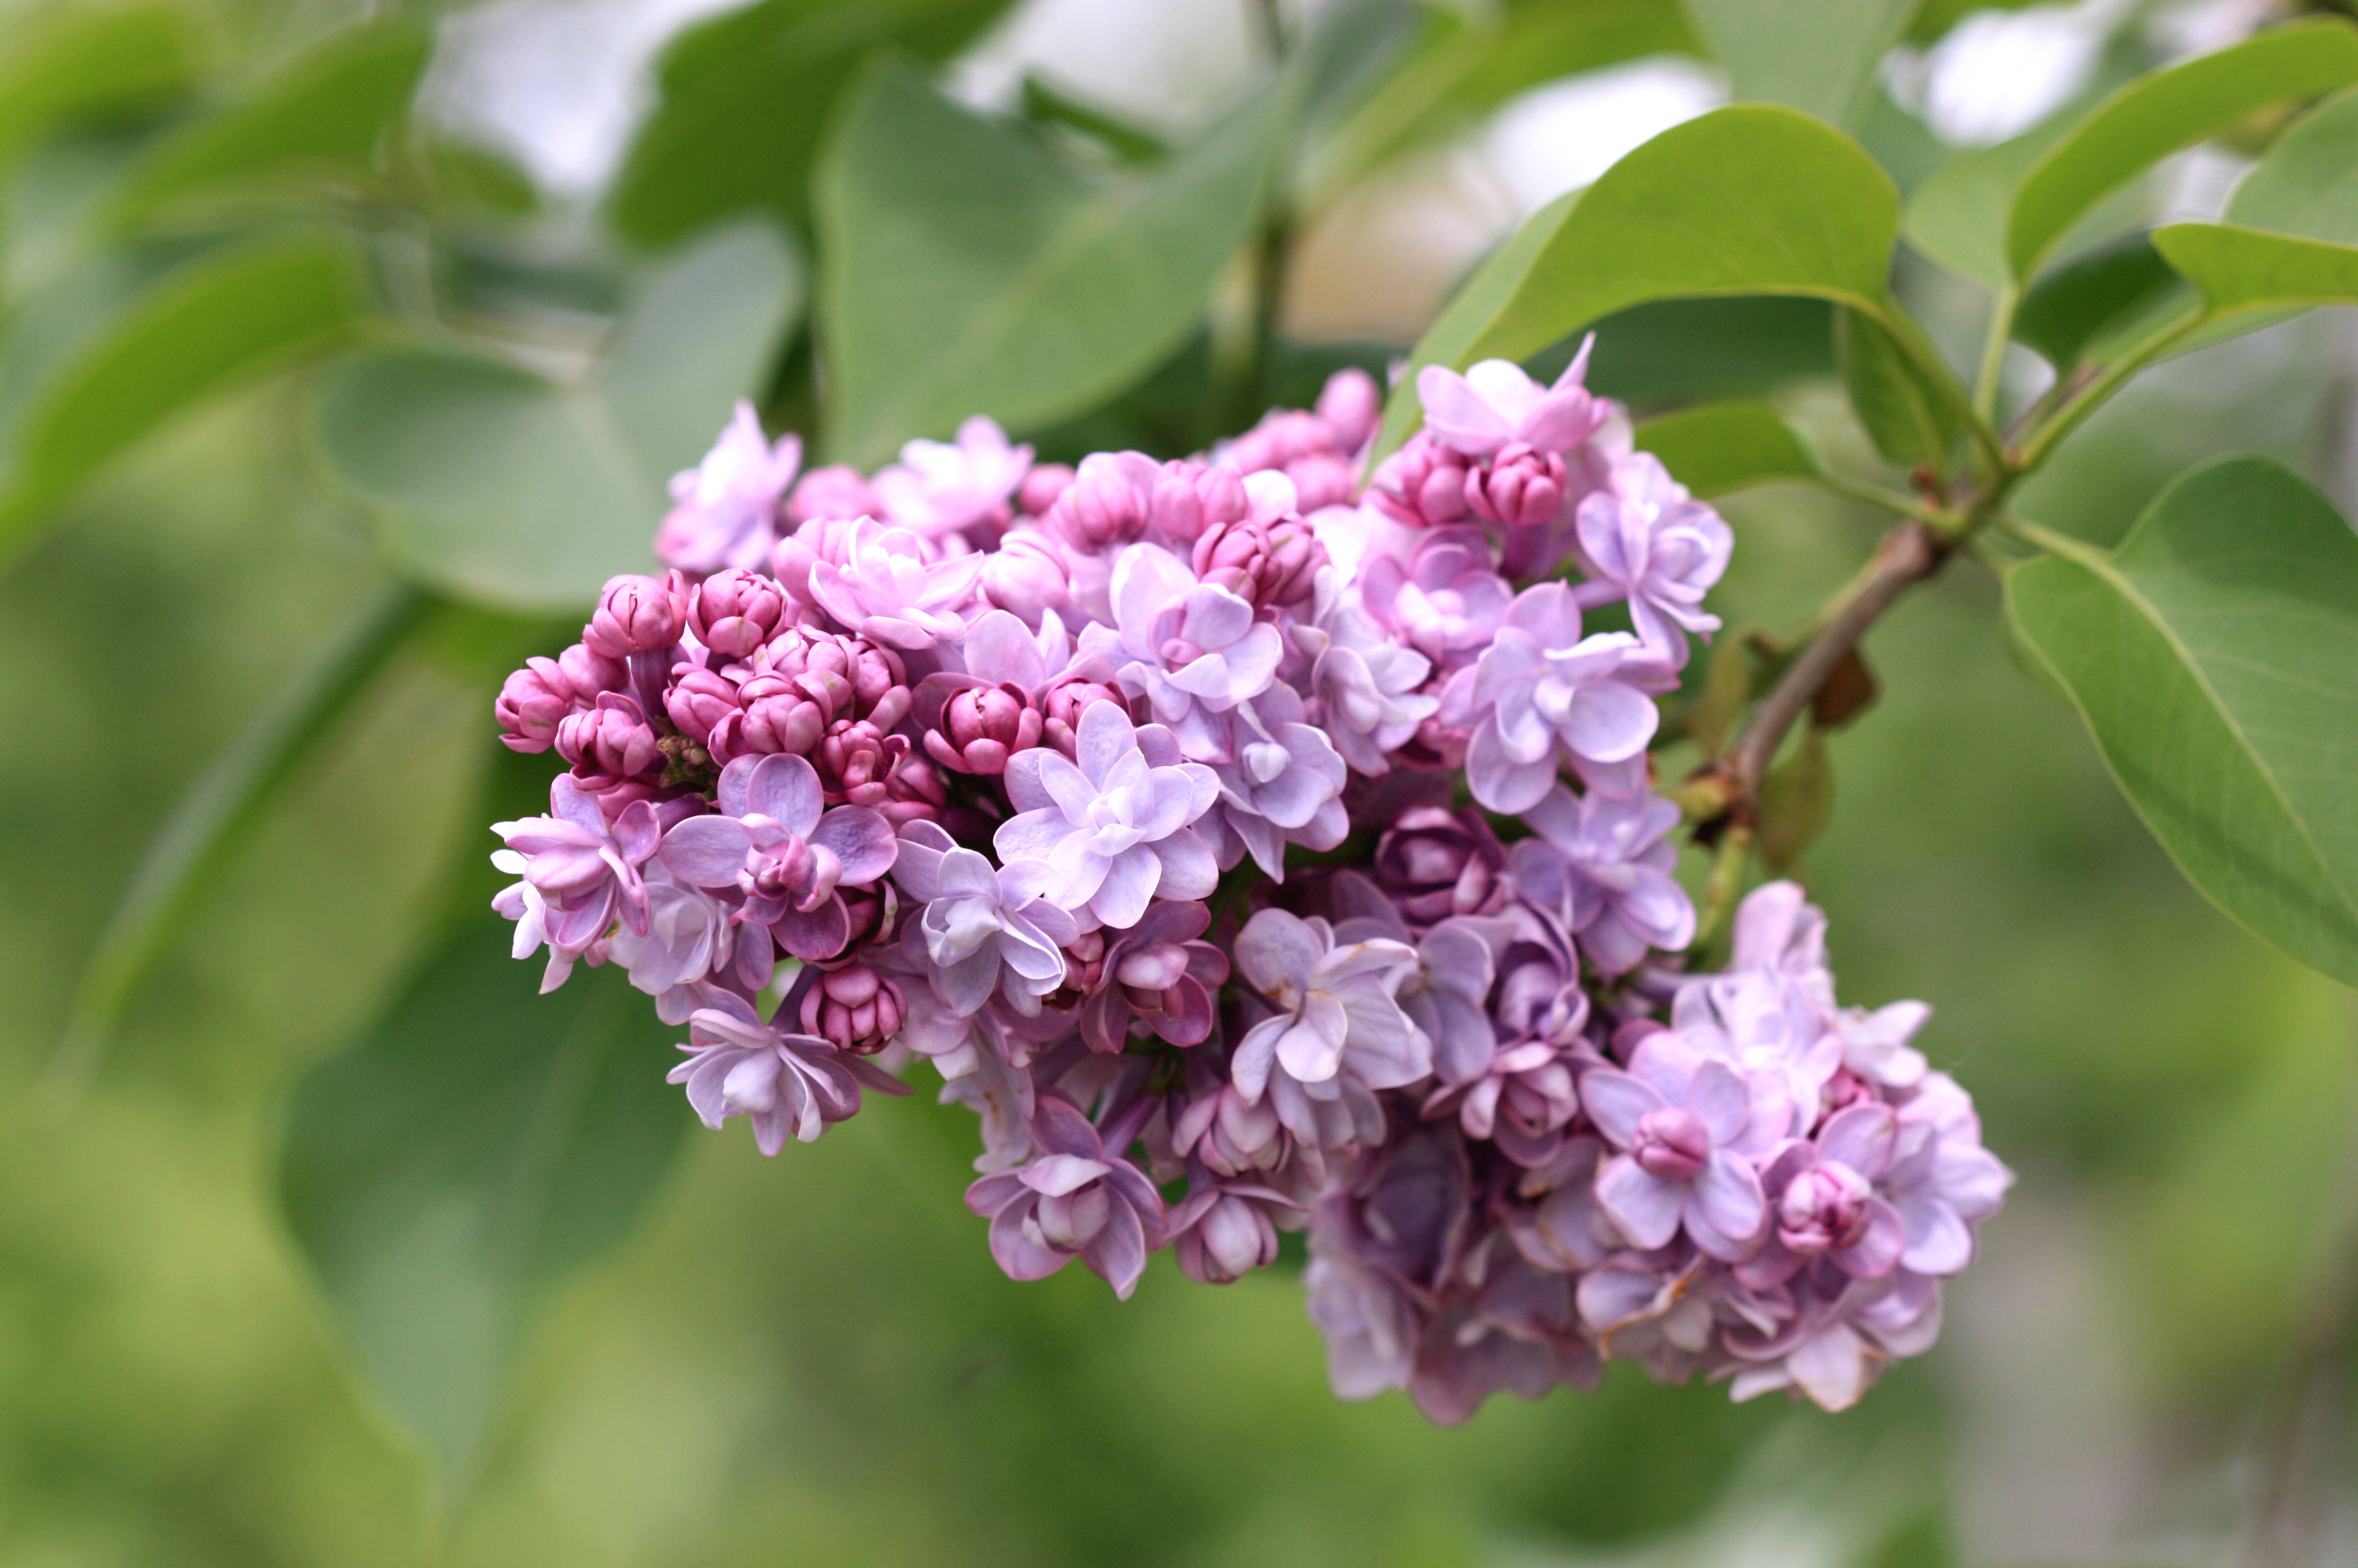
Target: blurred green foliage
{"x": 813, "y": 1358}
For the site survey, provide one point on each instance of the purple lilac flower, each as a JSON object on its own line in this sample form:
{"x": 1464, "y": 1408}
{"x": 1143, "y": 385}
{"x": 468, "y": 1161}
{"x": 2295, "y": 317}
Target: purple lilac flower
{"x": 1337, "y": 1023}
{"x": 940, "y": 488}
{"x": 1688, "y": 1132}
{"x": 1284, "y": 785}
{"x": 784, "y": 857}
{"x": 1446, "y": 598}
{"x": 982, "y": 930}
{"x": 580, "y": 875}
{"x": 1603, "y": 862}
{"x": 725, "y": 511}
{"x": 1108, "y": 830}
{"x": 1494, "y": 402}
{"x": 1081, "y": 1198}
{"x": 785, "y": 1084}
{"x": 1365, "y": 687}
{"x": 1160, "y": 974}
{"x": 1194, "y": 650}
{"x": 1646, "y": 539}
{"x": 1542, "y": 691}
{"x": 885, "y": 588}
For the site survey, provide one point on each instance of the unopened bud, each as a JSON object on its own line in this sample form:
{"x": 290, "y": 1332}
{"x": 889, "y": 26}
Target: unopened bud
{"x": 637, "y": 614}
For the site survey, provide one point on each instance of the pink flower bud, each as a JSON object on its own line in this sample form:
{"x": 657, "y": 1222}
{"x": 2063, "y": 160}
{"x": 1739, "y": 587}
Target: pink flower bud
{"x": 981, "y": 727}
{"x": 1085, "y": 963}
{"x": 733, "y": 612}
{"x": 855, "y": 761}
{"x": 1322, "y": 480}
{"x": 1672, "y": 1143}
{"x": 1272, "y": 565}
{"x": 532, "y": 704}
{"x": 1521, "y": 487}
{"x": 787, "y": 720}
{"x": 835, "y": 491}
{"x": 1108, "y": 502}
{"x": 914, "y": 793}
{"x": 1026, "y": 576}
{"x": 1041, "y": 488}
{"x": 611, "y": 740}
{"x": 1825, "y": 1207}
{"x": 1190, "y": 497}
{"x": 590, "y": 673}
{"x": 1421, "y": 486}
{"x": 638, "y": 614}
{"x": 1351, "y": 404}
{"x": 1438, "y": 863}
{"x": 698, "y": 701}
{"x": 1061, "y": 707}
{"x": 854, "y": 1008}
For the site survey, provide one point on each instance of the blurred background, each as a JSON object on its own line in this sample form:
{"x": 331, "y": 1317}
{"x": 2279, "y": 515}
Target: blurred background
{"x": 813, "y": 1360}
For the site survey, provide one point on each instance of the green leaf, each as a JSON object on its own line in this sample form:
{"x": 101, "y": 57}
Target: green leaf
{"x": 504, "y": 486}
{"x": 2157, "y": 115}
{"x": 965, "y": 268}
{"x": 212, "y": 326}
{"x": 746, "y": 95}
{"x": 2308, "y": 184}
{"x": 2210, "y": 657}
{"x": 2238, "y": 270}
{"x": 209, "y": 818}
{"x": 1724, "y": 447}
{"x": 1912, "y": 422}
{"x": 1817, "y": 56}
{"x": 1957, "y": 217}
{"x": 83, "y": 63}
{"x": 1751, "y": 200}
{"x": 2094, "y": 298}
{"x": 326, "y": 114}
{"x": 477, "y": 1145}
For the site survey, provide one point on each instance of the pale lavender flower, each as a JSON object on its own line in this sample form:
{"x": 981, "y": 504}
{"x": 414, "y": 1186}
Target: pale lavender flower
{"x": 1557, "y": 1224}
{"x": 580, "y": 875}
{"x": 690, "y": 937}
{"x": 887, "y": 590}
{"x": 1081, "y": 1198}
{"x": 1284, "y": 785}
{"x": 1494, "y": 402}
{"x": 1542, "y": 691}
{"x": 1874, "y": 1044}
{"x": 774, "y": 846}
{"x": 1194, "y": 650}
{"x": 1823, "y": 1202}
{"x": 836, "y": 493}
{"x": 1370, "y": 1323}
{"x": 1337, "y": 1022}
{"x": 1445, "y": 599}
{"x": 1027, "y": 573}
{"x": 941, "y": 488}
{"x": 1109, "y": 830}
{"x": 725, "y": 511}
{"x": 1942, "y": 1182}
{"x": 1225, "y": 1229}
{"x": 1366, "y": 685}
{"x": 982, "y": 930}
{"x": 1605, "y": 863}
{"x": 1158, "y": 973}
{"x": 1645, "y": 538}
{"x": 1688, "y": 1131}
{"x": 1228, "y": 1134}
{"x": 787, "y": 1085}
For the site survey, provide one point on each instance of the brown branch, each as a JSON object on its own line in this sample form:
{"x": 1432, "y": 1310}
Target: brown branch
{"x": 1729, "y": 785}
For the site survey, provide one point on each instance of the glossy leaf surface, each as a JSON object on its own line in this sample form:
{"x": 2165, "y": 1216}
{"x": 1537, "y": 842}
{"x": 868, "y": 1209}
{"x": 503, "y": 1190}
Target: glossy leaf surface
{"x": 2210, "y": 657}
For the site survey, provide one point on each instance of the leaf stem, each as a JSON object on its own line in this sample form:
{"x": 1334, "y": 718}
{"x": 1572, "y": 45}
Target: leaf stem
{"x": 1993, "y": 365}
{"x": 2100, "y": 389}
{"x": 1909, "y": 554}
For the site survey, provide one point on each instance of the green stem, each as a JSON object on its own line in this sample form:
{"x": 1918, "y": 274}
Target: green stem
{"x": 1721, "y": 892}
{"x": 1993, "y": 365}
{"x": 1884, "y": 499}
{"x": 2099, "y": 391}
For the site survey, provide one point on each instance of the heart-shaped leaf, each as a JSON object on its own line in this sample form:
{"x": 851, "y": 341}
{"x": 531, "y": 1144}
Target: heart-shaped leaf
{"x": 476, "y": 1145}
{"x": 1751, "y": 200}
{"x": 2212, "y": 657}
{"x": 2155, "y": 116}
{"x": 967, "y": 268}
{"x": 1815, "y": 54}
{"x": 504, "y": 486}
{"x": 1724, "y": 447}
{"x": 214, "y": 325}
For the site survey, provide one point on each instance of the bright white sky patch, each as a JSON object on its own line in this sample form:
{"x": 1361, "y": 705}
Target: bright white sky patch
{"x": 1562, "y": 137}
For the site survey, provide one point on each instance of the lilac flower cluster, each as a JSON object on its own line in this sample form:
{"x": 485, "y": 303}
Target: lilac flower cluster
{"x": 1129, "y": 796}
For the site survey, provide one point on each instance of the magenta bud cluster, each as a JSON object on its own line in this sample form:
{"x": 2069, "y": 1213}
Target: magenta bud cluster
{"x": 1257, "y": 842}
